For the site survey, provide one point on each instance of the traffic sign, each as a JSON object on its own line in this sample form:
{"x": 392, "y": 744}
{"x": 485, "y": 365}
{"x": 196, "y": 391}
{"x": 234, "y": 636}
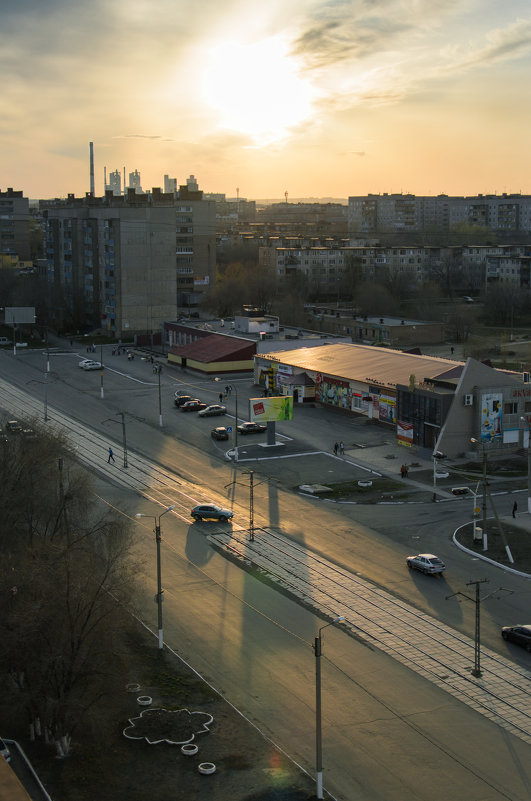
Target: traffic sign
{"x": 229, "y": 429}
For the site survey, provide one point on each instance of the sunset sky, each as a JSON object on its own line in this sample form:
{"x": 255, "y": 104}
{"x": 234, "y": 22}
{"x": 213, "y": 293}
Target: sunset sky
{"x": 331, "y": 98}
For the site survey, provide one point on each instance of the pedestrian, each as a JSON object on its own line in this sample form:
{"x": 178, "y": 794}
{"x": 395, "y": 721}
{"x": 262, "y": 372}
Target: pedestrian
{"x": 119, "y": 351}
{"x": 113, "y": 351}
{"x": 111, "y": 456}
{"x": 403, "y": 471}
{"x": 515, "y": 507}
{"x": 452, "y": 350}
{"x": 230, "y": 389}
{"x": 227, "y": 390}
{"x": 220, "y": 396}
{"x": 342, "y": 448}
{"x": 406, "y": 471}
{"x": 336, "y": 446}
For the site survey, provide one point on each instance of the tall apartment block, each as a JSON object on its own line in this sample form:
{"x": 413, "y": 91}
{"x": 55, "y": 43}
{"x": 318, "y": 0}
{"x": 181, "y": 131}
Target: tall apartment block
{"x": 14, "y": 224}
{"x": 404, "y": 214}
{"x": 119, "y": 263}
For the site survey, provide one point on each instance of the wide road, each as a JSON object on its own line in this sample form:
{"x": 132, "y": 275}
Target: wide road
{"x": 385, "y": 729}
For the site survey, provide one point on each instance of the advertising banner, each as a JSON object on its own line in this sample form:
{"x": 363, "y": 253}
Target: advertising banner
{"x": 266, "y": 410}
{"x": 404, "y": 433}
{"x": 491, "y": 415}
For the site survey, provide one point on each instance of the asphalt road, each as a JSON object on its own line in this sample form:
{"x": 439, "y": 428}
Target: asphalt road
{"x": 385, "y": 730}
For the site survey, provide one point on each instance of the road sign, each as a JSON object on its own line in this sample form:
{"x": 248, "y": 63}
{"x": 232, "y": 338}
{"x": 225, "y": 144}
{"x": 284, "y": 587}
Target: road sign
{"x": 229, "y": 429}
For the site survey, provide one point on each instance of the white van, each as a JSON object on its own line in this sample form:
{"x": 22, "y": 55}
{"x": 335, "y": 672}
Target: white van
{"x": 5, "y": 341}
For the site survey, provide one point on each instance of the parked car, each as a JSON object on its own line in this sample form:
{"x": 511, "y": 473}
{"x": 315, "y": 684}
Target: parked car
{"x": 83, "y": 362}
{"x": 180, "y": 393}
{"x": 4, "y": 751}
{"x": 521, "y": 635}
{"x": 210, "y": 512}
{"x": 90, "y": 365}
{"x": 5, "y": 341}
{"x": 192, "y": 406}
{"x": 426, "y": 563}
{"x": 212, "y": 410}
{"x": 251, "y": 428}
{"x": 180, "y": 399}
{"x": 219, "y": 433}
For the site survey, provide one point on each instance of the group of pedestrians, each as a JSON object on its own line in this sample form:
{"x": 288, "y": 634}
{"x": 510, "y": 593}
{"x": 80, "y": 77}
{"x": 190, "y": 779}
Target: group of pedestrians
{"x": 339, "y": 448}
{"x": 404, "y": 471}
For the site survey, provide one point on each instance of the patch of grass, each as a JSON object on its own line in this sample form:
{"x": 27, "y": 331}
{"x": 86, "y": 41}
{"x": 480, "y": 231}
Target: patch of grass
{"x": 351, "y": 489}
{"x": 518, "y": 540}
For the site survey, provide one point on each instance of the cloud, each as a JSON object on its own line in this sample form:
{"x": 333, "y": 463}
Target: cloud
{"x": 504, "y": 44}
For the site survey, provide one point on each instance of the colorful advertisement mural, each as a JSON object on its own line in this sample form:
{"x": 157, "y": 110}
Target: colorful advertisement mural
{"x": 491, "y": 415}
{"x": 333, "y": 391}
{"x": 266, "y": 410}
{"x": 387, "y": 408}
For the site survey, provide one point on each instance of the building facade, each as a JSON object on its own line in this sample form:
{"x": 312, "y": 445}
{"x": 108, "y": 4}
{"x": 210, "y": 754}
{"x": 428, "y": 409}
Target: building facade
{"x": 14, "y": 225}
{"x": 398, "y": 213}
{"x": 114, "y": 263}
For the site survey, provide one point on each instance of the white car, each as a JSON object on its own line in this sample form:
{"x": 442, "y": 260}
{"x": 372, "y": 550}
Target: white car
{"x": 89, "y": 365}
{"x": 426, "y": 563}
{"x": 212, "y": 411}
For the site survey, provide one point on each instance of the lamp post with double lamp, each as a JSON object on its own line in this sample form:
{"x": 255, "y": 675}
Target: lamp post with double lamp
{"x": 318, "y": 726}
{"x": 158, "y": 596}
{"x": 528, "y": 424}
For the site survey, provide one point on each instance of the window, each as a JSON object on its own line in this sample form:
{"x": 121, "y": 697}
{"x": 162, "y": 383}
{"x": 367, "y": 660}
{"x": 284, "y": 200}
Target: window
{"x": 510, "y": 408}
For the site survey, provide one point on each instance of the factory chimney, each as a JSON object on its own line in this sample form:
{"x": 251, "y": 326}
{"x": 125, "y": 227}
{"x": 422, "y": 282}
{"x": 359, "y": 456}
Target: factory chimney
{"x": 91, "y": 147}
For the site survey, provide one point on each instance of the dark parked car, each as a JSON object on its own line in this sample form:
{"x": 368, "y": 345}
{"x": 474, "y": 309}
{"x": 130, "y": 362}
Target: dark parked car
{"x": 521, "y": 635}
{"x": 426, "y": 563}
{"x": 13, "y": 426}
{"x": 213, "y": 410}
{"x": 180, "y": 399}
{"x": 192, "y": 406}
{"x": 207, "y": 511}
{"x": 251, "y": 428}
{"x": 219, "y": 433}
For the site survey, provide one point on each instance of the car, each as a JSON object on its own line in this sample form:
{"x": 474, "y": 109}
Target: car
{"x": 180, "y": 399}
{"x": 90, "y": 365}
{"x": 209, "y": 511}
{"x": 13, "y": 426}
{"x": 212, "y": 411}
{"x": 180, "y": 393}
{"x": 4, "y": 751}
{"x": 192, "y": 406}
{"x": 521, "y": 635}
{"x": 219, "y": 433}
{"x": 468, "y": 299}
{"x": 5, "y": 341}
{"x": 251, "y": 428}
{"x": 83, "y": 362}
{"x": 426, "y": 563}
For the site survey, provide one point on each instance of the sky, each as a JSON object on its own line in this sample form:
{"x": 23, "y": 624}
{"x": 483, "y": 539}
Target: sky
{"x": 313, "y": 98}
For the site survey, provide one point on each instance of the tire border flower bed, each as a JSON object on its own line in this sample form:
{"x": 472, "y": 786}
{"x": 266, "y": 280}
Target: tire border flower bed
{"x": 200, "y": 724}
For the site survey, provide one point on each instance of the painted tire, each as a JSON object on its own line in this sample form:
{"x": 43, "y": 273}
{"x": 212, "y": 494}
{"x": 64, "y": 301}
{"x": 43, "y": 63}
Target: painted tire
{"x": 189, "y": 749}
{"x": 132, "y": 688}
{"x": 144, "y": 700}
{"x": 206, "y": 768}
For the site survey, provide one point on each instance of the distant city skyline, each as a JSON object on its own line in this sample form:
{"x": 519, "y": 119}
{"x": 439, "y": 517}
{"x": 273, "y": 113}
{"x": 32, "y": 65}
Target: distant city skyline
{"x": 317, "y": 98}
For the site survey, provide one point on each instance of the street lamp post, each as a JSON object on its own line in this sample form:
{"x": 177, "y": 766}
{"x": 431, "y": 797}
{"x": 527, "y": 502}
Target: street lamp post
{"x": 318, "y": 727}
{"x": 160, "y": 399}
{"x": 158, "y": 597}
{"x": 528, "y": 424}
{"x": 101, "y": 370}
{"x": 484, "y": 452}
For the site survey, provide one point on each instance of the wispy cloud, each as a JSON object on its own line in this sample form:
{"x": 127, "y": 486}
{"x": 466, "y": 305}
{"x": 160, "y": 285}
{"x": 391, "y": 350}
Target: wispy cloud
{"x": 503, "y": 44}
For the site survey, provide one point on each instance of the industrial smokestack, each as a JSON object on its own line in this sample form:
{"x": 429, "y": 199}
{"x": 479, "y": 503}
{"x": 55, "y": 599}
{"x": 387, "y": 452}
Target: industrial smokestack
{"x": 91, "y": 147}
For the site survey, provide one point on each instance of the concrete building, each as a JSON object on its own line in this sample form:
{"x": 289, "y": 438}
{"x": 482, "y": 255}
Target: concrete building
{"x": 14, "y": 224}
{"x": 170, "y": 185}
{"x": 436, "y": 403}
{"x": 399, "y": 213}
{"x": 115, "y": 262}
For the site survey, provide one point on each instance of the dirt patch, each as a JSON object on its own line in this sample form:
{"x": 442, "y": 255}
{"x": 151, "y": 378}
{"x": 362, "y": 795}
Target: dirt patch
{"x": 104, "y": 764}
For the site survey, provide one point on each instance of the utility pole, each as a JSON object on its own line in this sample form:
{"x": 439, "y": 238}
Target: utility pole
{"x": 477, "y": 600}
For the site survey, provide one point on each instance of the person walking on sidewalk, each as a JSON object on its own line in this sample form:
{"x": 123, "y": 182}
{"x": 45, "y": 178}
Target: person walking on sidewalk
{"x": 110, "y": 457}
{"x": 336, "y": 446}
{"x": 342, "y": 448}
{"x": 515, "y": 507}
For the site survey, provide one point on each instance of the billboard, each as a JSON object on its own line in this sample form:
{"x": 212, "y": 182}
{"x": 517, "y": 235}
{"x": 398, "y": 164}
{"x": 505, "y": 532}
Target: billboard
{"x": 19, "y": 314}
{"x": 266, "y": 410}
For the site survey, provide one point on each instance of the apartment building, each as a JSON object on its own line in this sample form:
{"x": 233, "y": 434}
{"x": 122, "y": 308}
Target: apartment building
{"x": 119, "y": 263}
{"x": 398, "y": 213}
{"x": 14, "y": 225}
{"x": 326, "y": 264}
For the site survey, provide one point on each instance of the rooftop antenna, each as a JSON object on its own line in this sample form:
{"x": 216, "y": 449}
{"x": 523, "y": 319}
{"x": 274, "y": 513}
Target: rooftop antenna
{"x": 91, "y": 150}
{"x": 125, "y": 190}
{"x": 286, "y": 195}
{"x": 105, "y": 179}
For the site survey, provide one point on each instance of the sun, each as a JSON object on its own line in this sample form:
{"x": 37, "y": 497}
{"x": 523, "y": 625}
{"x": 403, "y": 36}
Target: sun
{"x": 256, "y": 89}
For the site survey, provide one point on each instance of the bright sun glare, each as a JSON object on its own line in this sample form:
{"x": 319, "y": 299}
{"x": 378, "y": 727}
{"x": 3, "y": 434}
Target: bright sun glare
{"x": 256, "y": 89}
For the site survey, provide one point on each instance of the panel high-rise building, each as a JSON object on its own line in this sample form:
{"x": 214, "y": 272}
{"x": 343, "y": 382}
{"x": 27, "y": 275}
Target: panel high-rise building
{"x": 120, "y": 263}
